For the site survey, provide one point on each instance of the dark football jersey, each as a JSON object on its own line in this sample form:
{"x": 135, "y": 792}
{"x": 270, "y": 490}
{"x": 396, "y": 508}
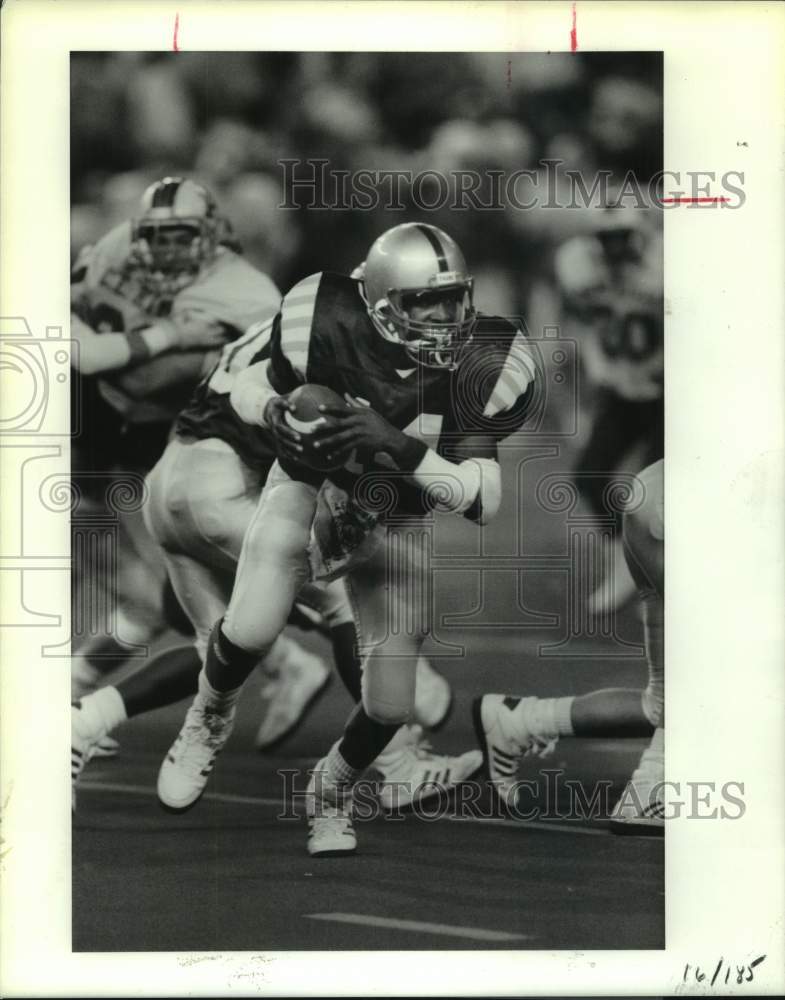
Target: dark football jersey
{"x": 210, "y": 413}
{"x": 324, "y": 335}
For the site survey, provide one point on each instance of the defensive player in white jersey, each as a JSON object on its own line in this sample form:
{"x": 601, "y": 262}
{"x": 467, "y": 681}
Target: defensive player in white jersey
{"x": 153, "y": 303}
{"x": 511, "y": 727}
{"x": 203, "y": 494}
{"x": 406, "y": 345}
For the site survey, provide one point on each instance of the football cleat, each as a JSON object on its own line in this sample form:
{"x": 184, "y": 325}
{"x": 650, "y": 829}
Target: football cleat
{"x": 433, "y": 696}
{"x": 187, "y": 766}
{"x": 290, "y": 695}
{"x": 329, "y": 811}
{"x": 504, "y": 739}
{"x": 411, "y": 772}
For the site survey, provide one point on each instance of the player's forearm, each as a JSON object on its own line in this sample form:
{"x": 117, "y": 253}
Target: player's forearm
{"x": 105, "y": 352}
{"x": 251, "y": 393}
{"x": 472, "y": 487}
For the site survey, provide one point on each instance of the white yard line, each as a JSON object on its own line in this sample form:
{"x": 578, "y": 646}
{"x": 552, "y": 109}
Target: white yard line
{"x": 257, "y": 800}
{"x": 420, "y": 926}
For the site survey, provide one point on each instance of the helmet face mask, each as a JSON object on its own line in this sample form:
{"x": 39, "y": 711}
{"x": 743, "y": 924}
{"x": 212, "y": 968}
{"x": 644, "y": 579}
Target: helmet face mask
{"x": 419, "y": 295}
{"x": 176, "y": 233}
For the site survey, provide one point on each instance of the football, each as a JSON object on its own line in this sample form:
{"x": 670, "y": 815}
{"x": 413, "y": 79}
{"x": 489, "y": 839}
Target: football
{"x": 306, "y": 418}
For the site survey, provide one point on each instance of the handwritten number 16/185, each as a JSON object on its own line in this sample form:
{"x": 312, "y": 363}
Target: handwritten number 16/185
{"x": 738, "y": 973}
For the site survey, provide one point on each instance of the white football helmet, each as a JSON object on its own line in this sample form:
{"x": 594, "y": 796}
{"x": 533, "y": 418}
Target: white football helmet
{"x": 415, "y": 268}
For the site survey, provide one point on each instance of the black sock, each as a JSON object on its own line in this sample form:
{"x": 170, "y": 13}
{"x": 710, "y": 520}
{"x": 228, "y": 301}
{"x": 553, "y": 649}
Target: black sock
{"x": 227, "y": 666}
{"x": 168, "y": 678}
{"x": 347, "y": 658}
{"x": 364, "y": 739}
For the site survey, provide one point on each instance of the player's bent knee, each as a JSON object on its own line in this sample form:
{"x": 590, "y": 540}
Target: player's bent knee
{"x": 385, "y": 713}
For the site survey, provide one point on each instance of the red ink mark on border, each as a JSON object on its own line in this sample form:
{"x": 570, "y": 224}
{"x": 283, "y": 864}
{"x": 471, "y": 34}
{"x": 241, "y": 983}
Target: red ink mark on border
{"x": 175, "y": 46}
{"x": 574, "y": 32}
{"x": 691, "y": 201}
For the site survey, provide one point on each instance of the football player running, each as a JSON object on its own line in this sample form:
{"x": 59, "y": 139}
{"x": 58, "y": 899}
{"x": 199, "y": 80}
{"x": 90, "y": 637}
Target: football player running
{"x": 203, "y": 494}
{"x": 153, "y": 302}
{"x": 511, "y": 727}
{"x": 404, "y": 345}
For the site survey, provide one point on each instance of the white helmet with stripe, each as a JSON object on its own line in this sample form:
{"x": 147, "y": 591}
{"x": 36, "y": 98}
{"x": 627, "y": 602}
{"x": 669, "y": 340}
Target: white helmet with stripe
{"x": 419, "y": 293}
{"x": 178, "y": 227}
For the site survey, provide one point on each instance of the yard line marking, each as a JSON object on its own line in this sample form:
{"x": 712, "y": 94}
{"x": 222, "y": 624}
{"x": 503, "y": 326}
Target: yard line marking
{"x": 241, "y": 800}
{"x": 446, "y": 930}
{"x": 536, "y": 824}
{"x": 256, "y": 800}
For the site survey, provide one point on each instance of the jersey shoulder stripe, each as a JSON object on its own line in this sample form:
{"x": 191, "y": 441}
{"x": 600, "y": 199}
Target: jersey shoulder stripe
{"x": 297, "y": 311}
{"x": 518, "y": 373}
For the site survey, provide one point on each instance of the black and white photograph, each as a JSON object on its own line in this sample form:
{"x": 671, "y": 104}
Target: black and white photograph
{"x": 367, "y": 562}
{"x": 349, "y": 430}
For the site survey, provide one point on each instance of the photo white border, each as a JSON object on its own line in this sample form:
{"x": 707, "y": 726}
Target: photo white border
{"x": 725, "y": 416}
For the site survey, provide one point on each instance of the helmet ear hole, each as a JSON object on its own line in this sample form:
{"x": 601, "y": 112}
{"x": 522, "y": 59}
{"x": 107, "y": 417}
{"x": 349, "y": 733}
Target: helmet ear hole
{"x": 411, "y": 260}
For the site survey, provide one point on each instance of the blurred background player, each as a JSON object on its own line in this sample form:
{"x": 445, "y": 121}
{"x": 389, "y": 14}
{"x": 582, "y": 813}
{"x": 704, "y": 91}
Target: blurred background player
{"x": 611, "y": 283}
{"x": 203, "y": 493}
{"x": 393, "y": 342}
{"x": 153, "y": 301}
{"x": 511, "y": 727}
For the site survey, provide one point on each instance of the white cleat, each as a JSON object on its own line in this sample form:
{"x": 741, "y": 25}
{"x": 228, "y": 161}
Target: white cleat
{"x": 411, "y": 772}
{"x": 433, "y": 696}
{"x": 504, "y": 740}
{"x": 301, "y": 679}
{"x": 83, "y": 744}
{"x": 187, "y": 766}
{"x": 329, "y": 812}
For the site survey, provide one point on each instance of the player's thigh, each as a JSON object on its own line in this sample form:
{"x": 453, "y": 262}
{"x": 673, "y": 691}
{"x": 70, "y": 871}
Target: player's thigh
{"x": 273, "y": 564}
{"x": 203, "y": 498}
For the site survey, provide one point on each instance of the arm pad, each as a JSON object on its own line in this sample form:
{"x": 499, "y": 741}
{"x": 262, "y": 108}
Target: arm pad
{"x": 472, "y": 487}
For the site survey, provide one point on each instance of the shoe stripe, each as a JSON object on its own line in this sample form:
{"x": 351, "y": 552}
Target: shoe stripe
{"x": 446, "y": 776}
{"x": 501, "y": 753}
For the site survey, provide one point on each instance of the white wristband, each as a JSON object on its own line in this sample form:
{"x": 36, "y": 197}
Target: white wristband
{"x": 159, "y": 337}
{"x": 454, "y": 487}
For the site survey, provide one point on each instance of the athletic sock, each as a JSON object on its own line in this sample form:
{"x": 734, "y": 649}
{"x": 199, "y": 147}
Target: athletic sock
{"x": 168, "y": 678}
{"x": 221, "y": 702}
{"x": 347, "y": 658}
{"x": 226, "y": 665}
{"x": 545, "y": 718}
{"x": 103, "y": 710}
{"x": 363, "y": 740}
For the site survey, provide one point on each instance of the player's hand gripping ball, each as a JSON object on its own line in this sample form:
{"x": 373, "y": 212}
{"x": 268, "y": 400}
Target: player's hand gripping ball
{"x": 305, "y": 417}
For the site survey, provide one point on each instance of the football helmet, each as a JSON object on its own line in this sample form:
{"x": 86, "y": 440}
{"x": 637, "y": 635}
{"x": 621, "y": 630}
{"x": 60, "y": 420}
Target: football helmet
{"x": 419, "y": 293}
{"x": 177, "y": 230}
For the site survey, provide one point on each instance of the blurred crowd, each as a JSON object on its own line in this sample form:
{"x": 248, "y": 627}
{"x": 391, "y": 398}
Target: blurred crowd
{"x": 228, "y": 119}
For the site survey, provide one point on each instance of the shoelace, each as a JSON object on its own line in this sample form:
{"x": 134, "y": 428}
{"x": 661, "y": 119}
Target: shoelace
{"x": 195, "y": 752}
